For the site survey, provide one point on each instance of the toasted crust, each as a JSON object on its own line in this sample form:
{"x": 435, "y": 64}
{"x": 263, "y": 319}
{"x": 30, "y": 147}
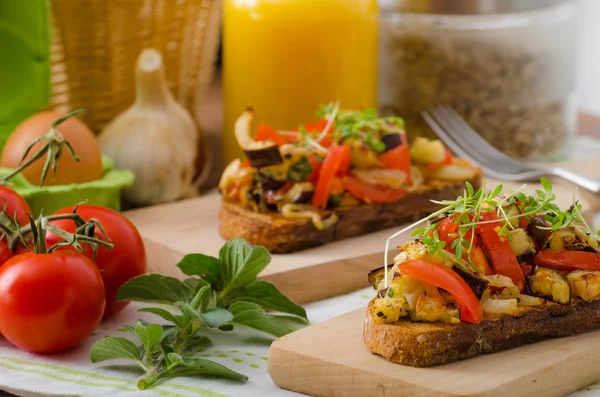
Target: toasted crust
{"x": 283, "y": 235}
{"x": 421, "y": 344}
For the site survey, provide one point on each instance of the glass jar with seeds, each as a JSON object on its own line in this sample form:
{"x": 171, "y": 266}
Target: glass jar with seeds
{"x": 506, "y": 66}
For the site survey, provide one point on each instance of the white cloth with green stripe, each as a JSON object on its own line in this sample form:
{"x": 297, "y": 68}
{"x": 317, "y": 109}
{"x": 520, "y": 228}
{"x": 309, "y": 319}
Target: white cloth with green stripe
{"x": 72, "y": 373}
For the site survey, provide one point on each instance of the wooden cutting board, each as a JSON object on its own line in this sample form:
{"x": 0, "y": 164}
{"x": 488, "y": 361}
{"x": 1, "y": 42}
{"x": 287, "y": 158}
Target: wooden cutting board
{"x": 173, "y": 230}
{"x": 330, "y": 359}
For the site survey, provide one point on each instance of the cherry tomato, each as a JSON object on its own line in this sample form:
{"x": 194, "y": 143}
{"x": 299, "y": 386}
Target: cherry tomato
{"x": 568, "y": 260}
{"x": 126, "y": 260}
{"x": 398, "y": 159}
{"x": 338, "y": 157}
{"x": 49, "y": 302}
{"x": 371, "y": 193}
{"x": 15, "y": 204}
{"x": 447, "y": 279}
{"x": 5, "y": 253}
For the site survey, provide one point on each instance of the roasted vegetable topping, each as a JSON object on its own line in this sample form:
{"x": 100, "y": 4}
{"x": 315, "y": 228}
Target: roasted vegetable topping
{"x": 549, "y": 284}
{"x": 508, "y": 251}
{"x": 351, "y": 158}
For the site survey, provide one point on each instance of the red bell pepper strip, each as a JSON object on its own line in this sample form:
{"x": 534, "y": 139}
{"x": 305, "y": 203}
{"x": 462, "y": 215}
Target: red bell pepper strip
{"x": 337, "y": 156}
{"x": 448, "y": 280}
{"x": 448, "y": 232}
{"x": 501, "y": 255}
{"x": 315, "y": 164}
{"x": 398, "y": 159}
{"x": 371, "y": 193}
{"x": 337, "y": 186}
{"x": 568, "y": 260}
{"x": 267, "y": 133}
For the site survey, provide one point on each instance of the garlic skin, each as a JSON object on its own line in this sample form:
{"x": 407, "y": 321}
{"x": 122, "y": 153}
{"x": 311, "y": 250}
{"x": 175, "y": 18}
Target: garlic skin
{"x": 156, "y": 138}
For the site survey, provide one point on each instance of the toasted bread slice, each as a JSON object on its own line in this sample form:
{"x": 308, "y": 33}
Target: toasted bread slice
{"x": 422, "y": 344}
{"x": 283, "y": 235}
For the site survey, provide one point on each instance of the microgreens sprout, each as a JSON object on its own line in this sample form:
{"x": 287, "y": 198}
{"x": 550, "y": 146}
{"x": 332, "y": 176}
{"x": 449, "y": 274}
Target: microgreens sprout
{"x": 466, "y": 212}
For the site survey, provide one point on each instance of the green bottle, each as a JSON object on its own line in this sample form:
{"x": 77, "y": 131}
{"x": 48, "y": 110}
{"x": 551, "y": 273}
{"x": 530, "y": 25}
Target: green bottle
{"x": 25, "y": 66}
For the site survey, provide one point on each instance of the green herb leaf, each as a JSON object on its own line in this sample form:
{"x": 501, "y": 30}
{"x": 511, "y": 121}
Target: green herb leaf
{"x": 216, "y": 317}
{"x": 268, "y": 296}
{"x": 154, "y": 288}
{"x": 202, "y": 299}
{"x": 335, "y": 200}
{"x": 207, "y": 267}
{"x": 167, "y": 315}
{"x": 200, "y": 366}
{"x": 300, "y": 171}
{"x": 241, "y": 263}
{"x": 253, "y": 316}
{"x": 114, "y": 347}
{"x": 150, "y": 335}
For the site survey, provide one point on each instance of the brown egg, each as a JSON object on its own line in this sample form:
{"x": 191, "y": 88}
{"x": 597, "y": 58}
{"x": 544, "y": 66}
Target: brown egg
{"x": 68, "y": 171}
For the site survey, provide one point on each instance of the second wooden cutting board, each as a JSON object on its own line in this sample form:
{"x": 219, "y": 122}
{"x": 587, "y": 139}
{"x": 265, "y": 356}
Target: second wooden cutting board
{"x": 331, "y": 360}
{"x": 173, "y": 230}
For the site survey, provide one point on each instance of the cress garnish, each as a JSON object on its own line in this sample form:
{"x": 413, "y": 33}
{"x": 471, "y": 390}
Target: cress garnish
{"x": 468, "y": 210}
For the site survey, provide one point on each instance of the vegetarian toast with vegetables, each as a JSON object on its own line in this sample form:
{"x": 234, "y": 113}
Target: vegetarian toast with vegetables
{"x": 490, "y": 272}
{"x": 348, "y": 174}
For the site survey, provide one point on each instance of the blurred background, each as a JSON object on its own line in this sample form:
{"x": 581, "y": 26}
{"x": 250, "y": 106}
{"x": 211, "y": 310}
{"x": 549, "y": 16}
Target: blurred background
{"x": 524, "y": 74}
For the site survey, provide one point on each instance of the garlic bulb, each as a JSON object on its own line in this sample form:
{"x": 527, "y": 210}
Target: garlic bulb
{"x": 156, "y": 138}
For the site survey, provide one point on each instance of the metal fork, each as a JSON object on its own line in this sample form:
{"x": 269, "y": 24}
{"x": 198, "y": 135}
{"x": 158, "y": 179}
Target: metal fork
{"x": 466, "y": 143}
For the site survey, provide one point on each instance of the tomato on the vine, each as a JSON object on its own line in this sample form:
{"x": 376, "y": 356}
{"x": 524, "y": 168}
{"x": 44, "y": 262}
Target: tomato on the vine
{"x": 50, "y": 302}
{"x": 15, "y": 204}
{"x": 127, "y": 259}
{"x": 5, "y": 253}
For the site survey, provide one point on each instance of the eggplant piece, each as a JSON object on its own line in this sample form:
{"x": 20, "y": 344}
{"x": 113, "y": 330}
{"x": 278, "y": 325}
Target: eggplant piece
{"x": 521, "y": 243}
{"x": 263, "y": 154}
{"x": 392, "y": 141}
{"x": 376, "y": 275}
{"x": 540, "y": 236}
{"x": 512, "y": 210}
{"x": 477, "y": 284}
{"x": 561, "y": 239}
{"x": 300, "y": 193}
{"x": 268, "y": 183}
{"x": 548, "y": 283}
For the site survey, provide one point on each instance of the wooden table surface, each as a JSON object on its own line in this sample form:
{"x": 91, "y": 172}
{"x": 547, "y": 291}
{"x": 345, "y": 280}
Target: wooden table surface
{"x": 210, "y": 116}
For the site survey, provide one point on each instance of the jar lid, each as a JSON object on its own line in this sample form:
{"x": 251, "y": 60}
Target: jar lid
{"x": 467, "y": 7}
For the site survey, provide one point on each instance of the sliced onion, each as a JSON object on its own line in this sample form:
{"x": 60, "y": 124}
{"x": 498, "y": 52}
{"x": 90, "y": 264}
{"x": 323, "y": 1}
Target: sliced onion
{"x": 453, "y": 172}
{"x": 394, "y": 179}
{"x": 229, "y": 174}
{"x": 242, "y": 128}
{"x": 528, "y": 300}
{"x": 500, "y": 306}
{"x": 307, "y": 211}
{"x": 502, "y": 282}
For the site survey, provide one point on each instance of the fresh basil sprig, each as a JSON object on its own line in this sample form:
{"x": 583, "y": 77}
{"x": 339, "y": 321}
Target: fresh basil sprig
{"x": 222, "y": 292}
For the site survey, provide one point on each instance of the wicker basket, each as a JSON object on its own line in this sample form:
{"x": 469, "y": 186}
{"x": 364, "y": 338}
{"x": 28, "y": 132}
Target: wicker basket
{"x": 96, "y": 42}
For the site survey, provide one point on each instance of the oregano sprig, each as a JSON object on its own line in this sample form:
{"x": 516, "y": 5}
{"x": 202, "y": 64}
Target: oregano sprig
{"x": 221, "y": 293}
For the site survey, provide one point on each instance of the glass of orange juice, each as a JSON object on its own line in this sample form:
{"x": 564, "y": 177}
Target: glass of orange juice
{"x": 284, "y": 58}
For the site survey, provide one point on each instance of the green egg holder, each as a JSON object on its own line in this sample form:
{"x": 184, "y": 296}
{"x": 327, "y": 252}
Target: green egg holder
{"x": 104, "y": 191}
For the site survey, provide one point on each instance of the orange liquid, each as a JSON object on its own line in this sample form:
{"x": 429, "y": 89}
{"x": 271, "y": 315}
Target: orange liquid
{"x": 284, "y": 58}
